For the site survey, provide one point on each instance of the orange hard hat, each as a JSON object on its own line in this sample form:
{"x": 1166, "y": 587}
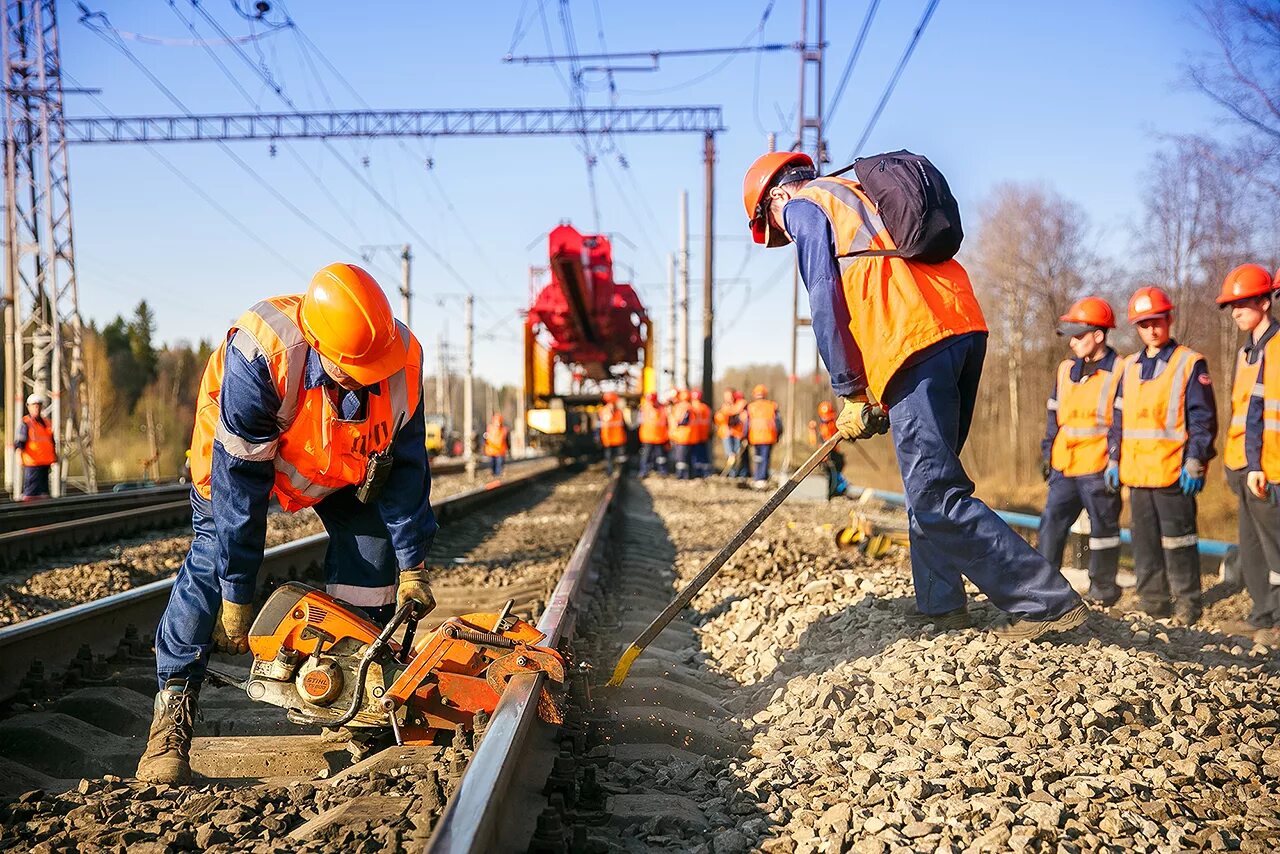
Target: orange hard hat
{"x": 1245, "y": 281}
{"x": 610, "y": 397}
{"x": 1086, "y": 314}
{"x": 682, "y": 395}
{"x": 346, "y": 318}
{"x": 1148, "y": 302}
{"x": 497, "y": 418}
{"x": 759, "y": 392}
{"x": 825, "y": 409}
{"x": 757, "y": 182}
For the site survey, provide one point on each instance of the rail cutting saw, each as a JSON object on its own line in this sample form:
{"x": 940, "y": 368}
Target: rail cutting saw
{"x": 328, "y": 665}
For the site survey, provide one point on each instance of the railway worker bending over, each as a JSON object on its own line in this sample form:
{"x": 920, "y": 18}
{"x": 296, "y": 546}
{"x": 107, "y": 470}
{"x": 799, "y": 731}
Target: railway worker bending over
{"x": 314, "y": 399}
{"x": 912, "y": 333}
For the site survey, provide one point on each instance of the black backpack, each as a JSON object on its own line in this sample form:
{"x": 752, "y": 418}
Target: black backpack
{"x": 915, "y": 204}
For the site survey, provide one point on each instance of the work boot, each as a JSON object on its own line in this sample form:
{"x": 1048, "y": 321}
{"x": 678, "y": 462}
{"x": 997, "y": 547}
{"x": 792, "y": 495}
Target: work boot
{"x": 1185, "y": 615}
{"x": 1102, "y": 602}
{"x": 167, "y": 758}
{"x": 953, "y": 620}
{"x": 1241, "y": 628}
{"x": 1031, "y": 629}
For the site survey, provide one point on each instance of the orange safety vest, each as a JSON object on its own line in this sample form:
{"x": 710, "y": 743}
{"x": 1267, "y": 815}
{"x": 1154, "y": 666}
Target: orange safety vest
{"x": 613, "y": 431}
{"x": 729, "y": 420}
{"x": 39, "y": 449}
{"x": 826, "y": 428}
{"x": 1262, "y": 376}
{"x": 495, "y": 440}
{"x": 702, "y": 417}
{"x": 683, "y": 434}
{"x": 1083, "y": 412}
{"x": 762, "y": 422}
{"x": 316, "y": 453}
{"x": 896, "y": 307}
{"x": 653, "y": 425}
{"x": 1154, "y": 425}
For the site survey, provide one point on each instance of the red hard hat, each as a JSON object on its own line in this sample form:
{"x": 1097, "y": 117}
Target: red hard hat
{"x": 825, "y": 409}
{"x": 610, "y": 397}
{"x": 737, "y": 395}
{"x": 759, "y": 392}
{"x": 652, "y": 397}
{"x": 696, "y": 394}
{"x": 757, "y": 181}
{"x": 1148, "y": 302}
{"x": 1091, "y": 311}
{"x": 1245, "y": 281}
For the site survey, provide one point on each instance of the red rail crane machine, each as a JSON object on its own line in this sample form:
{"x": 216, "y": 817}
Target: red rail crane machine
{"x": 584, "y": 334}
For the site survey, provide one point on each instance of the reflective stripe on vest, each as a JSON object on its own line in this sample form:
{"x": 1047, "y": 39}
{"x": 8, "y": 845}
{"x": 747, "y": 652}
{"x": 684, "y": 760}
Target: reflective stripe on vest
{"x": 39, "y": 449}
{"x": 1083, "y": 416}
{"x": 1244, "y": 386}
{"x": 653, "y": 425}
{"x": 762, "y": 422}
{"x": 896, "y": 307}
{"x": 1154, "y": 421}
{"x": 315, "y": 453}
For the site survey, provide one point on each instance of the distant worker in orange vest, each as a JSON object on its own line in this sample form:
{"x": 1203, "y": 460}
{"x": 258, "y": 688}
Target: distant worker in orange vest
{"x": 654, "y": 435}
{"x": 495, "y": 443}
{"x": 36, "y": 449}
{"x": 1075, "y": 447}
{"x": 825, "y": 428}
{"x": 315, "y": 400}
{"x": 701, "y": 451}
{"x": 613, "y": 431}
{"x": 684, "y": 433}
{"x": 1252, "y": 454}
{"x": 1160, "y": 444}
{"x": 904, "y": 341}
{"x": 764, "y": 426}
{"x": 731, "y": 430}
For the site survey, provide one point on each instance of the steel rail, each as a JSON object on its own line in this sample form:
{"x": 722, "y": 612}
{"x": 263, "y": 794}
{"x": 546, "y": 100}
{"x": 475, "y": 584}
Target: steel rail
{"x": 26, "y": 514}
{"x": 481, "y": 811}
{"x": 101, "y": 623}
{"x": 27, "y": 543}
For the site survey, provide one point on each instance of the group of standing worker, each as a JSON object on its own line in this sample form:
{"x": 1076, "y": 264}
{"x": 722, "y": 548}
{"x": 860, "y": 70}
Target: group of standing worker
{"x": 1148, "y": 422}
{"x": 678, "y": 431}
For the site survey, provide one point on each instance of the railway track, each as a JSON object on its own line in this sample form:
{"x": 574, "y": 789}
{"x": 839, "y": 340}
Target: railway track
{"x": 34, "y": 529}
{"x": 796, "y": 707}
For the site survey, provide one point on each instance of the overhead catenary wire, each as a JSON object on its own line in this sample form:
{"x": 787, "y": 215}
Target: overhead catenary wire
{"x": 90, "y": 19}
{"x": 363, "y": 180}
{"x": 199, "y": 191}
{"x": 854, "y": 54}
{"x": 893, "y": 81}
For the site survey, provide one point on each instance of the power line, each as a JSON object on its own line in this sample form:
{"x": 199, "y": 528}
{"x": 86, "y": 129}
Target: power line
{"x": 893, "y": 81}
{"x": 89, "y": 19}
{"x": 198, "y": 190}
{"x": 853, "y": 58}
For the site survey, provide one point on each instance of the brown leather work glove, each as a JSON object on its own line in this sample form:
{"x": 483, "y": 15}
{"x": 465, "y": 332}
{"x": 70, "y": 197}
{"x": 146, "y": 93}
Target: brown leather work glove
{"x": 415, "y": 584}
{"x": 231, "y": 628}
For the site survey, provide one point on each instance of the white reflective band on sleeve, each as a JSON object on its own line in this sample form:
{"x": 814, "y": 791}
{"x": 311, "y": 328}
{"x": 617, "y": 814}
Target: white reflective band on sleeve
{"x": 1179, "y": 542}
{"x": 1053, "y": 405}
{"x": 363, "y": 597}
{"x": 1102, "y": 543}
{"x": 1119, "y": 404}
{"x": 243, "y": 449}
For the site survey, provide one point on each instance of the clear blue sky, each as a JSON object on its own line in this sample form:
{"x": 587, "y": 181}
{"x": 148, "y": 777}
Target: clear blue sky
{"x": 1075, "y": 95}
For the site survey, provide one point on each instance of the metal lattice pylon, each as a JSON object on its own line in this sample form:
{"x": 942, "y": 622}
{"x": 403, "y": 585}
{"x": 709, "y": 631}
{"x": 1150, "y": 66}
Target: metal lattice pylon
{"x": 41, "y": 311}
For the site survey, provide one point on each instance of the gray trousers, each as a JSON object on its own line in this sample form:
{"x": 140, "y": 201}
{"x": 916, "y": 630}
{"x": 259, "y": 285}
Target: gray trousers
{"x": 1166, "y": 558}
{"x": 1259, "y": 549}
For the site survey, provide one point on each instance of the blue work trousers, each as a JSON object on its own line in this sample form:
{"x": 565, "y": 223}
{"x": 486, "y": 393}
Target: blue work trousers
{"x": 1067, "y": 497}
{"x": 359, "y": 567}
{"x": 760, "y": 461}
{"x": 700, "y": 459}
{"x": 682, "y": 457}
{"x": 497, "y": 463}
{"x": 617, "y": 454}
{"x": 731, "y": 445}
{"x": 954, "y": 535}
{"x": 653, "y": 458}
{"x": 35, "y": 482}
